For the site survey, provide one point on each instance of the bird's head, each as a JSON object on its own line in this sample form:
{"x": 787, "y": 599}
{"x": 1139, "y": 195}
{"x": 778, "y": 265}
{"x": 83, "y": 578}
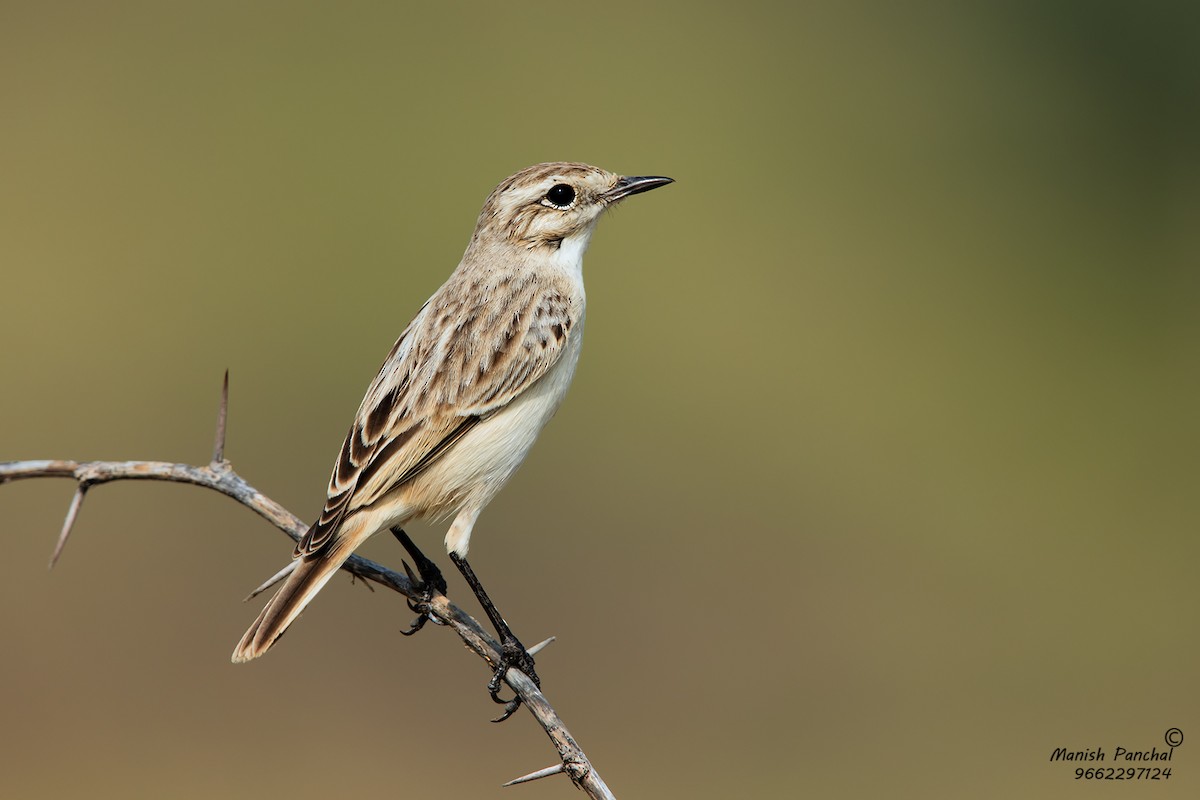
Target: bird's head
{"x": 545, "y": 205}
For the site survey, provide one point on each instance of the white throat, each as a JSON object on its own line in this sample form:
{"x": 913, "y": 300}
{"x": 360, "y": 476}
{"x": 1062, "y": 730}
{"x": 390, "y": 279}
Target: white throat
{"x": 569, "y": 255}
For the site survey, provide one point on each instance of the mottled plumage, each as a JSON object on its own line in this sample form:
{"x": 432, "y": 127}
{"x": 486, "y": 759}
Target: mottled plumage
{"x": 468, "y": 385}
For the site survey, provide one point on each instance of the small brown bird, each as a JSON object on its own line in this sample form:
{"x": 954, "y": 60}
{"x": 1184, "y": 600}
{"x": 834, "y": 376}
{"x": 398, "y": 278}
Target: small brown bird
{"x": 466, "y": 388}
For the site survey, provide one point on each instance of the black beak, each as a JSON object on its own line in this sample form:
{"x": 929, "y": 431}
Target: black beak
{"x": 628, "y": 186}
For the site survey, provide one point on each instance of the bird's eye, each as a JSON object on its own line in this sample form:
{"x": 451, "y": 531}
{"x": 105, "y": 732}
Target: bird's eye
{"x": 560, "y": 195}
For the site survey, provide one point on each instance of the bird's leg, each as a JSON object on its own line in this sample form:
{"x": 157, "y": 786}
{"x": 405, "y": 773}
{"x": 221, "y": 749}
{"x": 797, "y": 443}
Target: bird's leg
{"x": 512, "y": 652}
{"x": 428, "y": 581}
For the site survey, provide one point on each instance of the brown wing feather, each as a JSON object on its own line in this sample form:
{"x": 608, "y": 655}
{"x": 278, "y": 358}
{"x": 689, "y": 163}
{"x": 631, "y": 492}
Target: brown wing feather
{"x": 451, "y": 368}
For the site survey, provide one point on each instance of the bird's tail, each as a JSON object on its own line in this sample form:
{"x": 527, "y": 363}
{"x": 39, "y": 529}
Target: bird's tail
{"x": 298, "y": 589}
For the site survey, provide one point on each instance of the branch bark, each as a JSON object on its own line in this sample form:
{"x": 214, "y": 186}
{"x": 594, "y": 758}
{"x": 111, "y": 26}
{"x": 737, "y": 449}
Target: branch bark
{"x": 220, "y": 476}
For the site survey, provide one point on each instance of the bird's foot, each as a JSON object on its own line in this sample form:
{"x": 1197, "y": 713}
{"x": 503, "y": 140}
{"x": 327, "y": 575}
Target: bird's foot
{"x": 428, "y": 582}
{"x": 512, "y": 654}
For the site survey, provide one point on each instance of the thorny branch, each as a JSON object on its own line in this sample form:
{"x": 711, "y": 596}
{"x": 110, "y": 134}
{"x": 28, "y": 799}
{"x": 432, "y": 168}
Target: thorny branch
{"x": 219, "y": 475}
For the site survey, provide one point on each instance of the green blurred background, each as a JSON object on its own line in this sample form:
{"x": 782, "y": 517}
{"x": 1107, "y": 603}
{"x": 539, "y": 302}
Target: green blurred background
{"x": 878, "y": 477}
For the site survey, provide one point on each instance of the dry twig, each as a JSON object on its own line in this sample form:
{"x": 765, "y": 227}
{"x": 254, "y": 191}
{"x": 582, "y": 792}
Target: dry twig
{"x": 218, "y": 474}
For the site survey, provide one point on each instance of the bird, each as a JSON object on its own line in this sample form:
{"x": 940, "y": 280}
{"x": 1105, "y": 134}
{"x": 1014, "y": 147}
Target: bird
{"x": 465, "y": 390}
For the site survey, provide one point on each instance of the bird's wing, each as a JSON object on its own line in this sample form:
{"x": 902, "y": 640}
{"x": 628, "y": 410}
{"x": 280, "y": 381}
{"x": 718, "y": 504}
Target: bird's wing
{"x": 455, "y": 364}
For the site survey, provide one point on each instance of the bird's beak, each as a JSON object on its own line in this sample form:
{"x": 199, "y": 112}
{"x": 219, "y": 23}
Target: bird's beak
{"x": 628, "y": 186}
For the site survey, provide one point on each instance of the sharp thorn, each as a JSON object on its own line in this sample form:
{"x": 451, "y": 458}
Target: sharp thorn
{"x": 540, "y": 646}
{"x": 222, "y": 418}
{"x": 533, "y": 776}
{"x": 271, "y": 581}
{"x": 68, "y": 524}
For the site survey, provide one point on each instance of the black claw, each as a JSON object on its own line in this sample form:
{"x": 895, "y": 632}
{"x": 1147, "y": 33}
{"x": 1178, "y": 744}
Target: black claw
{"x": 513, "y": 654}
{"x": 493, "y": 686}
{"x": 428, "y": 582}
{"x": 414, "y": 605}
{"x": 418, "y": 623}
{"x": 510, "y": 708}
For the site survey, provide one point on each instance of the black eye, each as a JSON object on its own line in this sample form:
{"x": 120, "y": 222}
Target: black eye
{"x": 561, "y": 195}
